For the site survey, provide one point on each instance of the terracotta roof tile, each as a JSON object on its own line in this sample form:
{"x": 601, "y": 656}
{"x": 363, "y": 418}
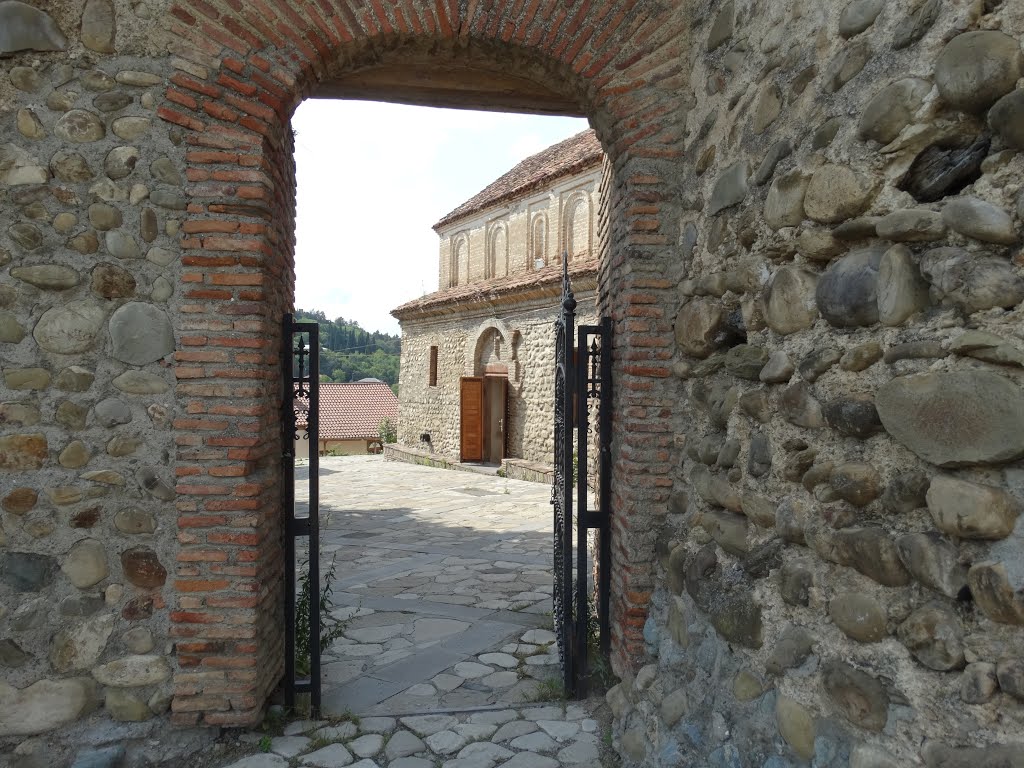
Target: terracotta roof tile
{"x": 494, "y": 288}
{"x": 353, "y": 410}
{"x": 563, "y": 159}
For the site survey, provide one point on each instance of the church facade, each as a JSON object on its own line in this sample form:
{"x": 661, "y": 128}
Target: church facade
{"x": 477, "y": 369}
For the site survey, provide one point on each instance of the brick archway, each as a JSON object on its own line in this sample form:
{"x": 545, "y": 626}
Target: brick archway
{"x": 242, "y": 69}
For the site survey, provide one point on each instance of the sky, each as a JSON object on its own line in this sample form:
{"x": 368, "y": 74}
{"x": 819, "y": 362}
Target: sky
{"x": 374, "y": 178}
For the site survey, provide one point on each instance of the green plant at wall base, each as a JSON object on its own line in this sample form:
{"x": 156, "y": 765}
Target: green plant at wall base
{"x": 330, "y": 628}
{"x": 347, "y": 716}
{"x": 264, "y": 745}
{"x": 550, "y": 689}
{"x": 599, "y": 672}
{"x": 387, "y": 431}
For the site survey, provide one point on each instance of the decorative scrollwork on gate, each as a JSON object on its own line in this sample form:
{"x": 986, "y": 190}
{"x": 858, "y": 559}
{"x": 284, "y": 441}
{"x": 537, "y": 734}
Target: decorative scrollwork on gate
{"x": 300, "y": 405}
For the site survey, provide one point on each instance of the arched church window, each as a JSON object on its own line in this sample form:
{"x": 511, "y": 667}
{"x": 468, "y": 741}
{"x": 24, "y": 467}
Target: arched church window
{"x": 576, "y": 222}
{"x": 539, "y": 242}
{"x": 497, "y": 252}
{"x": 459, "y": 265}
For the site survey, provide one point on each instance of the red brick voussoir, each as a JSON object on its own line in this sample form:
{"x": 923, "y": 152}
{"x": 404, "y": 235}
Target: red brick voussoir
{"x": 242, "y": 70}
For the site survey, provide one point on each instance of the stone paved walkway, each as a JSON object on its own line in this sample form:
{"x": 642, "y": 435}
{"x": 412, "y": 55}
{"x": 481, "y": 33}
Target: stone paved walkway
{"x": 443, "y": 583}
{"x": 439, "y": 576}
{"x": 542, "y": 736}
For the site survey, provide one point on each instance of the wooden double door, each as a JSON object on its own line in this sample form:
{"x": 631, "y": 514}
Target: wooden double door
{"x": 483, "y": 418}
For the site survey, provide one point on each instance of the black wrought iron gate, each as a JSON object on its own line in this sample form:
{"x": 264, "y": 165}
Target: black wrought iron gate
{"x": 582, "y": 419}
{"x": 300, "y": 403}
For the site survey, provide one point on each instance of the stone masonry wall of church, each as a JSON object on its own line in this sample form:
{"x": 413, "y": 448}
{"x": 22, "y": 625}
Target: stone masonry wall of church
{"x": 814, "y": 272}
{"x": 531, "y": 385}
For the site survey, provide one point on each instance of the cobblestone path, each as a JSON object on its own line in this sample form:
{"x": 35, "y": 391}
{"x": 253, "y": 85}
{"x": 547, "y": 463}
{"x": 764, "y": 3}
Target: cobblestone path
{"x": 537, "y": 736}
{"x": 443, "y": 585}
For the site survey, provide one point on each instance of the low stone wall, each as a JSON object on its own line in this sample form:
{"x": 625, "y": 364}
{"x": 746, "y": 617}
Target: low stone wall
{"x": 534, "y": 472}
{"x": 516, "y": 469}
{"x": 396, "y": 452}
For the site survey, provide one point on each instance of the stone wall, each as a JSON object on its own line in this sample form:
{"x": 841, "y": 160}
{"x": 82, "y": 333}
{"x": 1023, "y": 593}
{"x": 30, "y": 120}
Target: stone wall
{"x": 133, "y": 547}
{"x": 813, "y": 268}
{"x": 842, "y": 558}
{"x": 91, "y": 188}
{"x": 525, "y": 337}
{"x": 532, "y": 226}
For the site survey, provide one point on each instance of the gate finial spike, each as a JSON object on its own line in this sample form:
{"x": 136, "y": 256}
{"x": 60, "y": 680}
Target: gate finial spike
{"x": 568, "y": 299}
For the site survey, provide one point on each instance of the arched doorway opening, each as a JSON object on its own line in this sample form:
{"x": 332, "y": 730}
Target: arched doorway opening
{"x": 491, "y": 358}
{"x": 233, "y": 107}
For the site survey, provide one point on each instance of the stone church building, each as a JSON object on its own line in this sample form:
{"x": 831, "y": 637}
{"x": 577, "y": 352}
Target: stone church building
{"x": 811, "y": 253}
{"x": 477, "y": 372}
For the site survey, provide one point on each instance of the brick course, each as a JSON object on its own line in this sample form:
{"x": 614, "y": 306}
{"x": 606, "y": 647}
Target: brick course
{"x": 245, "y": 133}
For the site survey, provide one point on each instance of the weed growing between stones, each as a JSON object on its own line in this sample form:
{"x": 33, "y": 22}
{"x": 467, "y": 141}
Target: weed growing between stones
{"x": 550, "y": 689}
{"x": 331, "y": 628}
{"x": 272, "y": 725}
{"x": 599, "y": 671}
{"x": 348, "y": 716}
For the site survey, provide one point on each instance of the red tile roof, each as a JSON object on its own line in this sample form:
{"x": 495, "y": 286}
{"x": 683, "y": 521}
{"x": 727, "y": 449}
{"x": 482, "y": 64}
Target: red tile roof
{"x": 563, "y": 159}
{"x": 511, "y": 288}
{"x": 353, "y": 410}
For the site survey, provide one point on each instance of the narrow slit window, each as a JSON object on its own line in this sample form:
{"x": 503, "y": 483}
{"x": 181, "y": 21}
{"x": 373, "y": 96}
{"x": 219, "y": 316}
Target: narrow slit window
{"x": 433, "y": 366}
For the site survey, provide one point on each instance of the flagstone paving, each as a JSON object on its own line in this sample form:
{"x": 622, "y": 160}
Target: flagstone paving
{"x": 531, "y": 736}
{"x": 433, "y": 569}
{"x": 442, "y": 583}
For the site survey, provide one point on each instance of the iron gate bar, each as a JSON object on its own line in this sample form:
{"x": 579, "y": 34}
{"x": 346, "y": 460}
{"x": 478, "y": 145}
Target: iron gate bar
{"x": 582, "y": 600}
{"x": 301, "y": 378}
{"x": 562, "y": 490}
{"x": 288, "y": 434}
{"x": 582, "y": 378}
{"x": 595, "y": 381}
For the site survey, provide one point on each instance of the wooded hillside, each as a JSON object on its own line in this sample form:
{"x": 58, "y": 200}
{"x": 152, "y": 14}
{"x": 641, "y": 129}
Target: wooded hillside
{"x": 348, "y": 352}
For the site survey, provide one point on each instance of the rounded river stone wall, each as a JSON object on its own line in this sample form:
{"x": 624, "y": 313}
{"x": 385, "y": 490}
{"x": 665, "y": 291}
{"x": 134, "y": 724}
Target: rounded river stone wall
{"x": 814, "y": 271}
{"x": 92, "y": 194}
{"x": 841, "y": 564}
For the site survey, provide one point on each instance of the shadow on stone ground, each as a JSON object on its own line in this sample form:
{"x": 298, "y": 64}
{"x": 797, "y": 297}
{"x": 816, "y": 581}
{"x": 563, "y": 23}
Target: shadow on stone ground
{"x": 443, "y": 653}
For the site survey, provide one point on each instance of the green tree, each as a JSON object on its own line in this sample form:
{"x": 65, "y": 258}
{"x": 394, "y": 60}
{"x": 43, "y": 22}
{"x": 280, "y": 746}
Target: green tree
{"x": 387, "y": 431}
{"x": 348, "y": 352}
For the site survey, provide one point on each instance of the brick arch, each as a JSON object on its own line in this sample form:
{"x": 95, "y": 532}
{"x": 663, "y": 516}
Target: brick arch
{"x": 242, "y": 68}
